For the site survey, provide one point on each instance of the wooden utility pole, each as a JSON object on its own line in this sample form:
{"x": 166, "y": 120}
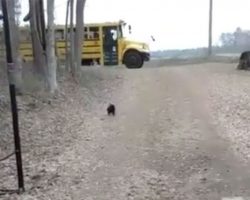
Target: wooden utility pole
{"x": 210, "y": 31}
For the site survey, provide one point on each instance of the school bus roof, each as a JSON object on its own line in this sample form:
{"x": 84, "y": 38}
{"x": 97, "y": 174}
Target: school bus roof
{"x": 96, "y": 24}
{"x": 101, "y": 24}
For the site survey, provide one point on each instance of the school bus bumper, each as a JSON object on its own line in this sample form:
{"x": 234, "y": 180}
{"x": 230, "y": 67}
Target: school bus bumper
{"x": 145, "y": 56}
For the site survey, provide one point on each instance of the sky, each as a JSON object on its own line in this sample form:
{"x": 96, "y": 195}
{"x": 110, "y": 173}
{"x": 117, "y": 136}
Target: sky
{"x": 175, "y": 24}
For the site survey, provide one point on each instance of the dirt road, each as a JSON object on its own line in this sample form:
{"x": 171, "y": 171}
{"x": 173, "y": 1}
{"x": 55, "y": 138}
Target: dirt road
{"x": 166, "y": 142}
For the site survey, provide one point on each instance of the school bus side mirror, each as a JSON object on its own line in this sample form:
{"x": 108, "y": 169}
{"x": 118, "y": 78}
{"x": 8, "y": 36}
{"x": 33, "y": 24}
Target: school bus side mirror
{"x": 130, "y": 29}
{"x": 153, "y": 38}
{"x": 1, "y": 15}
{"x": 27, "y": 17}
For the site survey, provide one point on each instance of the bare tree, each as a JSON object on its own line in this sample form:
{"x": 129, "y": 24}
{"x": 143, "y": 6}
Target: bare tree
{"x": 16, "y": 74}
{"x": 79, "y": 33}
{"x": 66, "y": 37}
{"x": 18, "y": 12}
{"x": 51, "y": 58}
{"x": 76, "y": 35}
{"x": 71, "y": 56}
{"x": 37, "y": 39}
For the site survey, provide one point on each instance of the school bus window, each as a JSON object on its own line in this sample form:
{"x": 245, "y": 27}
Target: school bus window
{"x": 94, "y": 32}
{"x": 96, "y": 35}
{"x": 1, "y": 34}
{"x": 114, "y": 34}
{"x": 25, "y": 36}
{"x": 59, "y": 34}
{"x": 90, "y": 35}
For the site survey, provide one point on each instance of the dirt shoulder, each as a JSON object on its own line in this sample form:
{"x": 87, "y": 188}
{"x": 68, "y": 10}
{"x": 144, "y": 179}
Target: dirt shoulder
{"x": 167, "y": 141}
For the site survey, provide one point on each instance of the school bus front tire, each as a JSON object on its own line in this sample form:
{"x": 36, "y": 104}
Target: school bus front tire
{"x": 133, "y": 59}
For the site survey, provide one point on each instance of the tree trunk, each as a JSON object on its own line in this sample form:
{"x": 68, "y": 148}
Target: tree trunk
{"x": 16, "y": 74}
{"x": 72, "y": 53}
{"x": 38, "y": 51}
{"x": 18, "y": 12}
{"x": 41, "y": 19}
{"x": 51, "y": 58}
{"x": 67, "y": 61}
{"x": 79, "y": 33}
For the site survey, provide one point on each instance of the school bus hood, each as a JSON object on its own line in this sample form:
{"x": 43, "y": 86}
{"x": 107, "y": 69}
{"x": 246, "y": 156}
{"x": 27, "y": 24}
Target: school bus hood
{"x": 140, "y": 46}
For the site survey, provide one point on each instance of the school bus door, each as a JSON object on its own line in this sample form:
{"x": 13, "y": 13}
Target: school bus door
{"x": 110, "y": 45}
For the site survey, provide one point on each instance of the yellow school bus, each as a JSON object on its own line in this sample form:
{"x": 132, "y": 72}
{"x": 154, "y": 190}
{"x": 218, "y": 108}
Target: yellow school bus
{"x": 104, "y": 43}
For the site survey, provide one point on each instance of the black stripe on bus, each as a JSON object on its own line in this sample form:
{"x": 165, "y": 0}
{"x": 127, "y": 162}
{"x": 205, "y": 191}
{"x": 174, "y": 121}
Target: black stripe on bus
{"x": 63, "y": 53}
{"x": 59, "y": 47}
{"x": 95, "y": 52}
